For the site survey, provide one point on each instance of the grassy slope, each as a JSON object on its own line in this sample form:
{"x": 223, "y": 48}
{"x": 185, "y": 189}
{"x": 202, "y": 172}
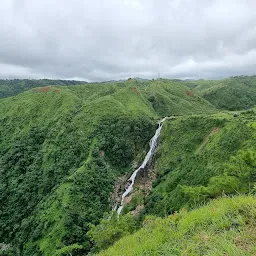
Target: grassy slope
{"x": 235, "y": 93}
{"x": 172, "y": 97}
{"x": 64, "y": 127}
{"x": 194, "y": 149}
{"x": 224, "y": 227}
{"x": 13, "y": 87}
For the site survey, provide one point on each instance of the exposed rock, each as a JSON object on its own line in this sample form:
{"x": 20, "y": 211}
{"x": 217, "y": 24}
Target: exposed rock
{"x": 119, "y": 187}
{"x": 4, "y": 247}
{"x": 138, "y": 209}
{"x": 143, "y": 182}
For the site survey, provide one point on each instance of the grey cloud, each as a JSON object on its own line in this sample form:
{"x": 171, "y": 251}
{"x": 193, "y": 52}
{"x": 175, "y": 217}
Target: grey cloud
{"x": 100, "y": 40}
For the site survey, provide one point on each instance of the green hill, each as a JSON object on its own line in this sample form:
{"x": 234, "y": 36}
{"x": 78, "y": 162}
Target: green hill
{"x": 235, "y": 93}
{"x": 15, "y": 86}
{"x": 62, "y": 148}
{"x": 202, "y": 157}
{"x": 199, "y": 158}
{"x": 224, "y": 227}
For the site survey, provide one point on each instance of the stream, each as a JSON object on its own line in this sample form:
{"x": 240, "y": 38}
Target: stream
{"x": 131, "y": 180}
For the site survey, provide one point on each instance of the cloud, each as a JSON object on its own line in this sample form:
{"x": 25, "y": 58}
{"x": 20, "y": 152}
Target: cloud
{"x": 101, "y": 40}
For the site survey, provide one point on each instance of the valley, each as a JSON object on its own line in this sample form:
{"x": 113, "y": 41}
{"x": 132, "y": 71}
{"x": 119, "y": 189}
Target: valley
{"x": 67, "y": 152}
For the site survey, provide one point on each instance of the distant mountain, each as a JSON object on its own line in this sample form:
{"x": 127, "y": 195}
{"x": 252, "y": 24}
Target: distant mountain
{"x": 16, "y": 86}
{"x": 234, "y": 93}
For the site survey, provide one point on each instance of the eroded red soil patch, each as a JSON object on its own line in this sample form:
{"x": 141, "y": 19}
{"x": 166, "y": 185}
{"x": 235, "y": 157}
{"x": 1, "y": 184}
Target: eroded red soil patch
{"x": 190, "y": 93}
{"x": 135, "y": 90}
{"x": 46, "y": 89}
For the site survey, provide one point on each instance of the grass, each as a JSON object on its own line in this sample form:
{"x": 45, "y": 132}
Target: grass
{"x": 191, "y": 151}
{"x": 72, "y": 124}
{"x": 218, "y": 228}
{"x": 234, "y": 93}
{"x": 13, "y": 87}
{"x": 54, "y": 212}
{"x": 77, "y": 122}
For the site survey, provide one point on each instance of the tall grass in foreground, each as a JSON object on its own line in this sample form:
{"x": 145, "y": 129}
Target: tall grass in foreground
{"x": 225, "y": 226}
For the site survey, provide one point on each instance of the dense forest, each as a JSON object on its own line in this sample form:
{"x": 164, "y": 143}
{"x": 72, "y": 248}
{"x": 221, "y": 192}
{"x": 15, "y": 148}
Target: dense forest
{"x": 64, "y": 147}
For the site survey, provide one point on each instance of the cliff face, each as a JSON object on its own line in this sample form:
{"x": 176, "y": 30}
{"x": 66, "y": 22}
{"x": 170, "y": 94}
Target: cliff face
{"x": 134, "y": 202}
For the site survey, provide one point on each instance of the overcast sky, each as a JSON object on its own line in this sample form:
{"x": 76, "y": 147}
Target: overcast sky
{"x": 100, "y": 40}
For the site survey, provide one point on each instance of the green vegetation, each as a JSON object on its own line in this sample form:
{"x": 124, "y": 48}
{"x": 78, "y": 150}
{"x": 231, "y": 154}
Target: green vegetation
{"x": 110, "y": 229}
{"x": 62, "y": 149}
{"x": 235, "y": 93}
{"x": 224, "y": 227}
{"x": 200, "y": 158}
{"x": 13, "y": 87}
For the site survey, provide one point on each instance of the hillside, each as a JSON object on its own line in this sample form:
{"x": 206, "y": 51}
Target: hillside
{"x": 202, "y": 157}
{"x": 199, "y": 158}
{"x": 62, "y": 148}
{"x": 224, "y": 227}
{"x": 15, "y": 86}
{"x": 234, "y": 93}
{"x": 65, "y": 149}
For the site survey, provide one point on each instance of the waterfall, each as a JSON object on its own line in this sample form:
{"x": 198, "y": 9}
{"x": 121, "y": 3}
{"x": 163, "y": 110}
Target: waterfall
{"x": 131, "y": 180}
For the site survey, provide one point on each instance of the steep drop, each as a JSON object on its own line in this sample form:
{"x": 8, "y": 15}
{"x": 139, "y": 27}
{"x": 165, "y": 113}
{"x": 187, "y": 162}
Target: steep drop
{"x": 131, "y": 180}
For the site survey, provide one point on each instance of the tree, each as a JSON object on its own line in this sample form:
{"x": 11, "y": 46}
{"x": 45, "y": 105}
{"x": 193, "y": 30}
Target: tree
{"x": 110, "y": 229}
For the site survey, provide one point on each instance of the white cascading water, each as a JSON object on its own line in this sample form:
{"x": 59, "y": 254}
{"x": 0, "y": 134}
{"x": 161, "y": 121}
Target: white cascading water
{"x": 153, "y": 144}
